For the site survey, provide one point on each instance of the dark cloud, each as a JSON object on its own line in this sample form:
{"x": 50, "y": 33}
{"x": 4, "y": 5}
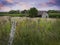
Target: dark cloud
{"x": 26, "y": 4}
{"x": 54, "y": 3}
{"x": 5, "y": 3}
{"x": 57, "y": 2}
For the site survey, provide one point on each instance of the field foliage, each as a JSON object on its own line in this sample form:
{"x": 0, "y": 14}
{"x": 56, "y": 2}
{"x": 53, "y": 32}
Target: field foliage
{"x": 31, "y": 31}
{"x": 4, "y": 31}
{"x": 37, "y": 32}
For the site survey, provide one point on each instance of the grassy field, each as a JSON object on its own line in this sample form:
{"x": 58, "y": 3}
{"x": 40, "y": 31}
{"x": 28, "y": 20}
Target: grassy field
{"x": 4, "y": 30}
{"x": 37, "y": 31}
{"x": 54, "y": 15}
{"x": 13, "y": 15}
{"x": 31, "y": 31}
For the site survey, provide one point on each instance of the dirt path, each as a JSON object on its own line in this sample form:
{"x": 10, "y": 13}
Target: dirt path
{"x": 13, "y": 28}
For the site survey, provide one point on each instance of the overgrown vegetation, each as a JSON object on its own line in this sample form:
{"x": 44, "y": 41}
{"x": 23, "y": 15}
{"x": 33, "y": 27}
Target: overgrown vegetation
{"x": 4, "y": 31}
{"x": 37, "y": 32}
{"x": 31, "y": 31}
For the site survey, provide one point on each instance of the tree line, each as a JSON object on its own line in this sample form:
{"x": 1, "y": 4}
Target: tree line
{"x": 32, "y": 12}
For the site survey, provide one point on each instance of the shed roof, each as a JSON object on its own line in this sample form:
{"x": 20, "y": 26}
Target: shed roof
{"x": 41, "y": 12}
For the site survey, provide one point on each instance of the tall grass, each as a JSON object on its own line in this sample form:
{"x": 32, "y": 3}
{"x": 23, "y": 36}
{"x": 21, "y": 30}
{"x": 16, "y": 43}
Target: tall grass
{"x": 37, "y": 32}
{"x": 31, "y": 31}
{"x": 4, "y": 31}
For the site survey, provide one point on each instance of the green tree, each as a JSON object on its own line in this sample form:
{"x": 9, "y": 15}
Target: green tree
{"x": 24, "y": 11}
{"x": 33, "y": 12}
{"x": 14, "y": 12}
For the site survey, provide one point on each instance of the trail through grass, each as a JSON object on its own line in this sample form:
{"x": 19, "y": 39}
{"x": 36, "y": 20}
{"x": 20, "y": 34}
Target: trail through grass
{"x": 31, "y": 31}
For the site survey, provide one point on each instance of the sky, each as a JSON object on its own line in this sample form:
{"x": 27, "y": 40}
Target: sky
{"x": 7, "y": 5}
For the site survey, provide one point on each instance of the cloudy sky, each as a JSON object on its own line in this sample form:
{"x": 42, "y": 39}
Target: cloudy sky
{"x": 7, "y": 5}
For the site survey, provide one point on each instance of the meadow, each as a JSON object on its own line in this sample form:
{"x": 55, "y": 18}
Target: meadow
{"x": 4, "y": 30}
{"x": 37, "y": 31}
{"x": 31, "y": 31}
